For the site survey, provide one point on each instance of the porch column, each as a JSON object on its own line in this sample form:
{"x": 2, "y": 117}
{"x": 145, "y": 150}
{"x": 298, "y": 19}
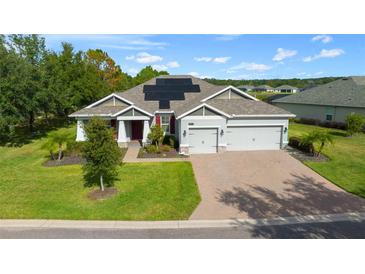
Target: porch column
{"x": 146, "y": 130}
{"x": 80, "y": 133}
{"x": 122, "y": 136}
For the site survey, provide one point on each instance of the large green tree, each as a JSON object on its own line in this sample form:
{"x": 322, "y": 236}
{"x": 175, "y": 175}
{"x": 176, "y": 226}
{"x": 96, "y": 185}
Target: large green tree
{"x": 102, "y": 154}
{"x": 146, "y": 74}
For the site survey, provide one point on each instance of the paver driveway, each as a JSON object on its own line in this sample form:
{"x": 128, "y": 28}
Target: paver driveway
{"x": 264, "y": 184}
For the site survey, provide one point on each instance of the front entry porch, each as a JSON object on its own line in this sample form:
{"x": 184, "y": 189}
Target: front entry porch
{"x": 132, "y": 129}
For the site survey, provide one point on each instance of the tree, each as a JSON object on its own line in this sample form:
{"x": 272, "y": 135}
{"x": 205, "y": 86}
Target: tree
{"x": 101, "y": 152}
{"x": 354, "y": 123}
{"x": 155, "y": 136}
{"x": 322, "y": 138}
{"x": 147, "y": 74}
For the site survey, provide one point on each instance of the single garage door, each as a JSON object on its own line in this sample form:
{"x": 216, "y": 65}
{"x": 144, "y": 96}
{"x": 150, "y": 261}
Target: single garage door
{"x": 203, "y": 140}
{"x": 254, "y": 138}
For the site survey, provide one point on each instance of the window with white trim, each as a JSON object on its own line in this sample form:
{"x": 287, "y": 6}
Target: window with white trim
{"x": 165, "y": 122}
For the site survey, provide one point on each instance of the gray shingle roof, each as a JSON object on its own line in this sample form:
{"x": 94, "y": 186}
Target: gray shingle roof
{"x": 246, "y": 107}
{"x": 347, "y": 92}
{"x": 192, "y": 99}
{"x": 246, "y": 87}
{"x": 102, "y": 111}
{"x": 286, "y": 87}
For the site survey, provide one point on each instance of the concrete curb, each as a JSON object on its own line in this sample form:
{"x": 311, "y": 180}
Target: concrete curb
{"x": 227, "y": 223}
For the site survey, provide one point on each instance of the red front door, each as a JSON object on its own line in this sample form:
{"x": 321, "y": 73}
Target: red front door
{"x": 137, "y": 130}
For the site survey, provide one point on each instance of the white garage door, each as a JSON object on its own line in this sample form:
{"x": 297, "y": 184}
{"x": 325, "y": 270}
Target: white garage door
{"x": 253, "y": 138}
{"x": 203, "y": 140}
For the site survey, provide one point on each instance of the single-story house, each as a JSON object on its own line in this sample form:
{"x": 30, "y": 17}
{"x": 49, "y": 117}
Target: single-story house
{"x": 287, "y": 89}
{"x": 205, "y": 118}
{"x": 329, "y": 102}
{"x": 246, "y": 88}
{"x": 264, "y": 88}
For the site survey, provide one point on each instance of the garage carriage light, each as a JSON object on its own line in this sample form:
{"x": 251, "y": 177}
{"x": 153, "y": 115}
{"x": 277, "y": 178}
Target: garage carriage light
{"x": 285, "y": 129}
{"x": 222, "y": 132}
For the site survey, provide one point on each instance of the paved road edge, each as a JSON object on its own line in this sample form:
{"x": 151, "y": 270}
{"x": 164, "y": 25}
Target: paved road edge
{"x": 227, "y": 223}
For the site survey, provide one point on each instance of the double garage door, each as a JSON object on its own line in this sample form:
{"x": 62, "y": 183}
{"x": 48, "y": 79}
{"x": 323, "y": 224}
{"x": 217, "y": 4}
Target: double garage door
{"x": 239, "y": 138}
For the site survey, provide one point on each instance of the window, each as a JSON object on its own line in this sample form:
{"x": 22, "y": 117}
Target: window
{"x": 165, "y": 122}
{"x": 329, "y": 117}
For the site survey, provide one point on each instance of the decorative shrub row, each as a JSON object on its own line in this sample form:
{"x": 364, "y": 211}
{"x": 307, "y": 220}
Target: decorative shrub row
{"x": 296, "y": 142}
{"x": 317, "y": 122}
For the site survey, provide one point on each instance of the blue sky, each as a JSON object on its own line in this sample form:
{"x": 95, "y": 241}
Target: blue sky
{"x": 230, "y": 56}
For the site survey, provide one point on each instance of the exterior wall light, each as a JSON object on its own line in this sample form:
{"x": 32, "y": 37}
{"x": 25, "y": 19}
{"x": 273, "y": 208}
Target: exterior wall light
{"x": 184, "y": 133}
{"x": 222, "y": 132}
{"x": 285, "y": 129}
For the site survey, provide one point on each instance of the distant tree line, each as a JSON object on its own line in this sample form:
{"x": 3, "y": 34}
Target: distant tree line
{"x": 296, "y": 82}
{"x": 39, "y": 83}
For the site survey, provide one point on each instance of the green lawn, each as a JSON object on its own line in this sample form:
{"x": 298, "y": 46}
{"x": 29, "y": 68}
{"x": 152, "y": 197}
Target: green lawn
{"x": 346, "y": 167}
{"x": 148, "y": 191}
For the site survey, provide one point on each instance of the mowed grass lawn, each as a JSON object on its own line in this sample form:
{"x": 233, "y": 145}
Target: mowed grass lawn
{"x": 346, "y": 167}
{"x": 147, "y": 191}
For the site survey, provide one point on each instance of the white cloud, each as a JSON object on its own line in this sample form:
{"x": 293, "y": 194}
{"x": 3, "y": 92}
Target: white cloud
{"x": 173, "y": 64}
{"x": 227, "y": 37}
{"x": 249, "y": 66}
{"x": 196, "y": 74}
{"x": 144, "y": 42}
{"x": 123, "y": 47}
{"x": 330, "y": 53}
{"x": 221, "y": 60}
{"x": 159, "y": 67}
{"x": 282, "y": 54}
{"x": 203, "y": 59}
{"x": 323, "y": 38}
{"x": 217, "y": 60}
{"x": 146, "y": 58}
{"x": 131, "y": 57}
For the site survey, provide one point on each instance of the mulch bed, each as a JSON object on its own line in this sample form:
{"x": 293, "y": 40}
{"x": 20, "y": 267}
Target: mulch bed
{"x": 303, "y": 156}
{"x": 164, "y": 154}
{"x": 66, "y": 160}
{"x": 97, "y": 194}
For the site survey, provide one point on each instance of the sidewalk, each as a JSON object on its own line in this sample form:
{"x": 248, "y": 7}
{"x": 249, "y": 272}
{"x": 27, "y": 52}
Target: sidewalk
{"x": 229, "y": 223}
{"x": 132, "y": 153}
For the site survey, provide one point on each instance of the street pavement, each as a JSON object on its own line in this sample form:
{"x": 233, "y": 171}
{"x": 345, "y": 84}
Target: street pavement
{"x": 322, "y": 230}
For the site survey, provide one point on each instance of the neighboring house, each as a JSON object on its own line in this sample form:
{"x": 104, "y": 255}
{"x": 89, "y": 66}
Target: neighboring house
{"x": 329, "y": 102}
{"x": 205, "y": 118}
{"x": 246, "y": 88}
{"x": 287, "y": 89}
{"x": 264, "y": 88}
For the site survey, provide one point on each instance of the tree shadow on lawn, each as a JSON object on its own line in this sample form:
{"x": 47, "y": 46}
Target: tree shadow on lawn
{"x": 302, "y": 196}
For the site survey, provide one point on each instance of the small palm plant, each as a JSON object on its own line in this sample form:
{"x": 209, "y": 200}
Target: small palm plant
{"x": 56, "y": 141}
{"x": 322, "y": 138}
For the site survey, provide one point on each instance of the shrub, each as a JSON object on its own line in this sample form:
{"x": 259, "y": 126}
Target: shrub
{"x": 320, "y": 137}
{"x": 155, "y": 136}
{"x": 333, "y": 124}
{"x": 297, "y": 142}
{"x": 171, "y": 141}
{"x": 165, "y": 148}
{"x": 151, "y": 149}
{"x": 354, "y": 123}
{"x": 309, "y": 121}
{"x": 74, "y": 148}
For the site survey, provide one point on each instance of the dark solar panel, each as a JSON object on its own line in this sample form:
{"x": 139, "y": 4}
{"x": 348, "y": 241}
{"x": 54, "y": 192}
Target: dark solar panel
{"x": 169, "y": 89}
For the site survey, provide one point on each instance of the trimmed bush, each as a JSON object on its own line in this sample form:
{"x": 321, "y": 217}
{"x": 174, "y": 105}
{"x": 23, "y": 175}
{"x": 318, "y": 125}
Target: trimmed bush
{"x": 151, "y": 149}
{"x": 165, "y": 148}
{"x": 297, "y": 143}
{"x": 171, "y": 141}
{"x": 354, "y": 123}
{"x": 74, "y": 148}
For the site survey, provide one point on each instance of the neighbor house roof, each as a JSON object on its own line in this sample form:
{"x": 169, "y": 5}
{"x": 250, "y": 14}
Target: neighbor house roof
{"x": 347, "y": 92}
{"x": 286, "y": 87}
{"x": 264, "y": 87}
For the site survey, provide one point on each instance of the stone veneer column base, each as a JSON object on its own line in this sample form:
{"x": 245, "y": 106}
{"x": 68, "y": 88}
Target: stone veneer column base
{"x": 222, "y": 149}
{"x": 184, "y": 150}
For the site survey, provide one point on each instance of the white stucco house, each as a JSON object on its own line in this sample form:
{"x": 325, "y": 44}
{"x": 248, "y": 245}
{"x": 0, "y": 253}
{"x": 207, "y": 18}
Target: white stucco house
{"x": 205, "y": 118}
